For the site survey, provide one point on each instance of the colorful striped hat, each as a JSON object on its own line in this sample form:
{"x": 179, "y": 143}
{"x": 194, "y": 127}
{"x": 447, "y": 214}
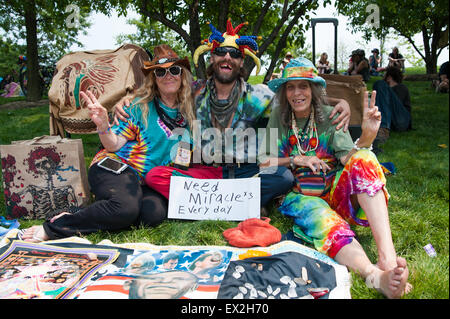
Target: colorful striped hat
{"x": 297, "y": 69}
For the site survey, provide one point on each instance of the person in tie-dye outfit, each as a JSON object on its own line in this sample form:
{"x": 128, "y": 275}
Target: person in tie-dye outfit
{"x": 337, "y": 182}
{"x": 145, "y": 140}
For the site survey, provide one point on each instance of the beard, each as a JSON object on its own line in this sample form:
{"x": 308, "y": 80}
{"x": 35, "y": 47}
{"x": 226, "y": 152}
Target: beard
{"x": 224, "y": 78}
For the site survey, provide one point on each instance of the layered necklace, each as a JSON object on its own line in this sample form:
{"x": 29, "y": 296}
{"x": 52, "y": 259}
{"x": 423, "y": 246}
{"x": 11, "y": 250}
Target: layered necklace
{"x": 308, "y": 135}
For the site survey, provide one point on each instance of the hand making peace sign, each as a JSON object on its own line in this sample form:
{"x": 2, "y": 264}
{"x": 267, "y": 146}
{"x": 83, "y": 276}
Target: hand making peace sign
{"x": 371, "y": 117}
{"x": 97, "y": 113}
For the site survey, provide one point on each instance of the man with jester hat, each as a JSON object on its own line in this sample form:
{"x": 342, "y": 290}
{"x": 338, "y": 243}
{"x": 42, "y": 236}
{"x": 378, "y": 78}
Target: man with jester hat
{"x": 229, "y": 113}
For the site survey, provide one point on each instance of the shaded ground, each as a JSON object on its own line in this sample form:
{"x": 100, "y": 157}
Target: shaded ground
{"x": 22, "y": 104}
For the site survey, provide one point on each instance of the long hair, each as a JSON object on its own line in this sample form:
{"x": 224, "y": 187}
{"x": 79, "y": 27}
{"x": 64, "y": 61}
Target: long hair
{"x": 149, "y": 90}
{"x": 317, "y": 100}
{"x": 323, "y": 58}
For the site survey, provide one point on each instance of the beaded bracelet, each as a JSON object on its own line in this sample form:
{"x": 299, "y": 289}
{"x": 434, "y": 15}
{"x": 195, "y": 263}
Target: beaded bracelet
{"x": 355, "y": 146}
{"x": 105, "y": 131}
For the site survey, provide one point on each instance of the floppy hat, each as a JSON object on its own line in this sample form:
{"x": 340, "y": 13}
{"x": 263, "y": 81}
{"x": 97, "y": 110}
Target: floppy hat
{"x": 165, "y": 57}
{"x": 297, "y": 69}
{"x": 230, "y": 38}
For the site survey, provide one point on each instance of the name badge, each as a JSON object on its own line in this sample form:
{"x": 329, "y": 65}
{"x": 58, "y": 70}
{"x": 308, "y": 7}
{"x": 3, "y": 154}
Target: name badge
{"x": 183, "y": 158}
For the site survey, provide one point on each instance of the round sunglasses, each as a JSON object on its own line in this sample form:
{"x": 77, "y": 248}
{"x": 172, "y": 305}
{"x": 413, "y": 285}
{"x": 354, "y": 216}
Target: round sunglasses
{"x": 222, "y": 51}
{"x": 174, "y": 70}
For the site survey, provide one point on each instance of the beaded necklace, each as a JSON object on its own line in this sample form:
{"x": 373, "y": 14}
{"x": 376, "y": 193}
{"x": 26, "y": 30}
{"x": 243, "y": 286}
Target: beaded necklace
{"x": 309, "y": 133}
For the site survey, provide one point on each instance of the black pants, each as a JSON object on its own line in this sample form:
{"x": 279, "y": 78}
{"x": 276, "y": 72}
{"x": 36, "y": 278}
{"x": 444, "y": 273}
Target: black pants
{"x": 120, "y": 202}
{"x": 275, "y": 181}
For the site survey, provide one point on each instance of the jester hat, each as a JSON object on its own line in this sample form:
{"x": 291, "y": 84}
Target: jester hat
{"x": 246, "y": 44}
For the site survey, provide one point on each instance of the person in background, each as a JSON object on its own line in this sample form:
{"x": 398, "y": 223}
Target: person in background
{"x": 375, "y": 63}
{"x": 396, "y": 59}
{"x": 323, "y": 65}
{"x": 359, "y": 65}
{"x": 394, "y": 103}
{"x": 444, "y": 76}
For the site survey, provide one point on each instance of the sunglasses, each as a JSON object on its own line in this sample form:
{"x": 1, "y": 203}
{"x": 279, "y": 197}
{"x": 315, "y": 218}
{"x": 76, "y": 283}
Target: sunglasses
{"x": 222, "y": 51}
{"x": 174, "y": 70}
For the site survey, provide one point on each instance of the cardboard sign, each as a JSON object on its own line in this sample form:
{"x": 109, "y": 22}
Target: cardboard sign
{"x": 214, "y": 199}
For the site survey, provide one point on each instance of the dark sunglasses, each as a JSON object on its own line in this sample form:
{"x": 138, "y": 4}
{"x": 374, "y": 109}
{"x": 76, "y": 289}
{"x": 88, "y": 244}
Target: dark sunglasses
{"x": 222, "y": 51}
{"x": 173, "y": 70}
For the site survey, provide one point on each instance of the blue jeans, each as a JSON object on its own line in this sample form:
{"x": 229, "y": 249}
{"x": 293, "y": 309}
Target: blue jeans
{"x": 275, "y": 182}
{"x": 393, "y": 114}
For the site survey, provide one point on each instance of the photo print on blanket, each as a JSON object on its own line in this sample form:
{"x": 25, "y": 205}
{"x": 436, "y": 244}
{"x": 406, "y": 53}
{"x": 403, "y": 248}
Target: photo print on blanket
{"x": 167, "y": 274}
{"x": 29, "y": 271}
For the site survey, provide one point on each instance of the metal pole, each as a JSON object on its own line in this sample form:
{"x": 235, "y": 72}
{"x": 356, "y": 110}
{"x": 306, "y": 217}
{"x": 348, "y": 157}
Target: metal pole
{"x": 324, "y": 20}
{"x": 335, "y": 49}
{"x": 314, "y": 43}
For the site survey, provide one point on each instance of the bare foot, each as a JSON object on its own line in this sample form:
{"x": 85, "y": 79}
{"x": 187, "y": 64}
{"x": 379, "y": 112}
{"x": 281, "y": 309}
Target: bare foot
{"x": 35, "y": 234}
{"x": 384, "y": 267}
{"x": 391, "y": 283}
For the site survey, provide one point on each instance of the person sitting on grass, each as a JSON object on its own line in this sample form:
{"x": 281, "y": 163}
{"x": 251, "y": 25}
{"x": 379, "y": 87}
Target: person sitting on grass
{"x": 394, "y": 103}
{"x": 142, "y": 141}
{"x": 444, "y": 77}
{"x": 337, "y": 182}
{"x": 323, "y": 65}
{"x": 396, "y": 60}
{"x": 375, "y": 63}
{"x": 359, "y": 65}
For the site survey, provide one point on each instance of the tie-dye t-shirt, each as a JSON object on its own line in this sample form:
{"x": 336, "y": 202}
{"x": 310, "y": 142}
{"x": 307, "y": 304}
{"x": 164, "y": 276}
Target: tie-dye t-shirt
{"x": 332, "y": 144}
{"x": 252, "y": 112}
{"x": 146, "y": 146}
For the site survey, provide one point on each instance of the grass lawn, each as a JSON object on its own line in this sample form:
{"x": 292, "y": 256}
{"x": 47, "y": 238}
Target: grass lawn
{"x": 419, "y": 203}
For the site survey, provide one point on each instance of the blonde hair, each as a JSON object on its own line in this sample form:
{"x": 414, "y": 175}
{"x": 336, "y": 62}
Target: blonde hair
{"x": 185, "y": 100}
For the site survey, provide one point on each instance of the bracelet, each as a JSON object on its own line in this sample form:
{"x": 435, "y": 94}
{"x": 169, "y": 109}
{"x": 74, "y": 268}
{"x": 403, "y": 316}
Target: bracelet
{"x": 291, "y": 162}
{"x": 105, "y": 131}
{"x": 355, "y": 146}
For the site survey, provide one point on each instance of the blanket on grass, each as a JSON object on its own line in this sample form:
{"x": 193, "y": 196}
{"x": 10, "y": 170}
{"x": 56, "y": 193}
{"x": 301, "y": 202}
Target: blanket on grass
{"x": 74, "y": 268}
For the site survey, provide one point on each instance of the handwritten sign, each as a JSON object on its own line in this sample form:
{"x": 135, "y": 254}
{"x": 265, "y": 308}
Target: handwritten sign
{"x": 214, "y": 199}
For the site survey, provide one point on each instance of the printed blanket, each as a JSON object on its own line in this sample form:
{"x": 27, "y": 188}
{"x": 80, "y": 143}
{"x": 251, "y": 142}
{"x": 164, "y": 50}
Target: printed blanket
{"x": 146, "y": 271}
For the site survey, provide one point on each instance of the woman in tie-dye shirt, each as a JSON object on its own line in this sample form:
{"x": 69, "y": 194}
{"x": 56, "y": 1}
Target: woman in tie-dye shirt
{"x": 160, "y": 114}
{"x": 338, "y": 182}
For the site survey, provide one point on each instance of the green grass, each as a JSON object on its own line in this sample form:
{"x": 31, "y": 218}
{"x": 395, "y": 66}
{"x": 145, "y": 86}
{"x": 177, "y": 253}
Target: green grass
{"x": 419, "y": 203}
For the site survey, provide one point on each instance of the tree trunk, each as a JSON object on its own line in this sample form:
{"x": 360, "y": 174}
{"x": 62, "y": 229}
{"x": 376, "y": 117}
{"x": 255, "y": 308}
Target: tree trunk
{"x": 33, "y": 83}
{"x": 195, "y": 38}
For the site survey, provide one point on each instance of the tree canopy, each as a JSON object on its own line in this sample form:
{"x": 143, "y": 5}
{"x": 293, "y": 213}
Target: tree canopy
{"x": 405, "y": 18}
{"x": 278, "y": 22}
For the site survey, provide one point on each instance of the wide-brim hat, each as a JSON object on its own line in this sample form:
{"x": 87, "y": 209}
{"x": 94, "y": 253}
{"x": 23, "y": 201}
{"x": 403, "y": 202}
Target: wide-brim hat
{"x": 165, "y": 57}
{"x": 297, "y": 69}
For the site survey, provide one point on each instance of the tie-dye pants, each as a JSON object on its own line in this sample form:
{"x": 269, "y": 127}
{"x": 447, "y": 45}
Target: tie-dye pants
{"x": 326, "y": 220}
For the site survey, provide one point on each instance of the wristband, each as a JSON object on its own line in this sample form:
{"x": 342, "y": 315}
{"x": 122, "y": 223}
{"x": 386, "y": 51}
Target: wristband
{"x": 355, "y": 146}
{"x": 291, "y": 162}
{"x": 105, "y": 131}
